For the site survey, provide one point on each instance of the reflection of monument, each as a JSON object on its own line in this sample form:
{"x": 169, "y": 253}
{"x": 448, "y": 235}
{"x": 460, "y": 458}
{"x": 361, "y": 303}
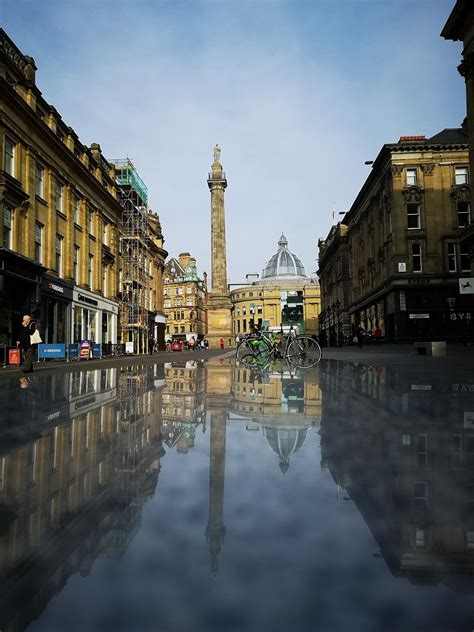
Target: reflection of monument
{"x": 284, "y": 406}
{"x": 219, "y": 321}
{"x": 218, "y": 402}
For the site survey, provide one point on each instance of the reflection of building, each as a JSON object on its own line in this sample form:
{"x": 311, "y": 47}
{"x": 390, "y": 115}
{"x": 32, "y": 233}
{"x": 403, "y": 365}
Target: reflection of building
{"x": 284, "y": 405}
{"x": 183, "y": 404}
{"x": 63, "y": 494}
{"x": 184, "y": 299}
{"x": 283, "y": 296}
{"x": 405, "y": 456}
{"x": 400, "y": 251}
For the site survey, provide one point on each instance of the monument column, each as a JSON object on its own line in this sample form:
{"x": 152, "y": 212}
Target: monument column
{"x": 219, "y": 317}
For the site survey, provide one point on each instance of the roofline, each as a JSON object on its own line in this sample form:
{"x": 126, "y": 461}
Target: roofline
{"x": 457, "y": 23}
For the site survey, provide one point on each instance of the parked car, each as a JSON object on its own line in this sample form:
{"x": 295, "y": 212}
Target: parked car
{"x": 177, "y": 345}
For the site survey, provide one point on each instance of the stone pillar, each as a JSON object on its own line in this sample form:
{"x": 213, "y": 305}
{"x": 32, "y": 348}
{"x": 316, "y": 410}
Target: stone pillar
{"x": 219, "y": 305}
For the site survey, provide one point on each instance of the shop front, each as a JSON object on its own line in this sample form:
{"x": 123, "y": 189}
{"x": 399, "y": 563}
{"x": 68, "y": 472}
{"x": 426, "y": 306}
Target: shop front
{"x": 19, "y": 294}
{"x": 94, "y": 318}
{"x": 55, "y": 309}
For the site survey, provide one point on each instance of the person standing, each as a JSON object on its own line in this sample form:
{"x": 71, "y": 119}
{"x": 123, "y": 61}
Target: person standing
{"x": 27, "y": 329}
{"x": 360, "y": 335}
{"x": 222, "y": 343}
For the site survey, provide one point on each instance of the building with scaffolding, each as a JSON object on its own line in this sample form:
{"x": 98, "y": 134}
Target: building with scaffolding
{"x": 142, "y": 257}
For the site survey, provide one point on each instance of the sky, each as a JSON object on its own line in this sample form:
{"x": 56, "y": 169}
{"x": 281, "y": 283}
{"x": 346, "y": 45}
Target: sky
{"x": 298, "y": 94}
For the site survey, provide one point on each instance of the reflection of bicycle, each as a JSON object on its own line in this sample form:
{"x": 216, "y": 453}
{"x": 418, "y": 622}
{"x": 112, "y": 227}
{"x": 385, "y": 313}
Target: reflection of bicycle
{"x": 262, "y": 348}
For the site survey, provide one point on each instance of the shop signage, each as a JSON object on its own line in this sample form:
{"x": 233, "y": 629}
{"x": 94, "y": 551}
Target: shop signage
{"x": 129, "y": 347}
{"x": 56, "y": 288}
{"x": 86, "y": 299}
{"x": 460, "y": 316}
{"x": 74, "y": 350}
{"x": 85, "y": 350}
{"x": 419, "y": 281}
{"x": 418, "y": 316}
{"x": 51, "y": 351}
{"x": 96, "y": 350}
{"x": 466, "y": 285}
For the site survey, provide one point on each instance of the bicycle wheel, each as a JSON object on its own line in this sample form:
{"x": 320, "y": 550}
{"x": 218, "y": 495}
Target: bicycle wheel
{"x": 255, "y": 346}
{"x": 244, "y": 348}
{"x": 304, "y": 352}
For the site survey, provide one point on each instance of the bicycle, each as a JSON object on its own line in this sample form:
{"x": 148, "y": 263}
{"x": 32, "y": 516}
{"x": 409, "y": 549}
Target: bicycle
{"x": 261, "y": 347}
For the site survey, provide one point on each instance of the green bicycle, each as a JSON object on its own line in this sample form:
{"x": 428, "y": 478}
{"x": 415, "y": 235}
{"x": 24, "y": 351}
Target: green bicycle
{"x": 262, "y": 347}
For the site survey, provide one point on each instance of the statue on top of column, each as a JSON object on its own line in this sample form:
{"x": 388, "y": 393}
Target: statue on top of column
{"x": 217, "y": 153}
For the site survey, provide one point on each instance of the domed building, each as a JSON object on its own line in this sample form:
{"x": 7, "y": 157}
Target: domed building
{"x": 283, "y": 296}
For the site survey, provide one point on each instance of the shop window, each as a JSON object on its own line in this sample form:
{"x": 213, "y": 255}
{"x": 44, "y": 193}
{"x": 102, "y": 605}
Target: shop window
{"x": 59, "y": 255}
{"x": 38, "y": 242}
{"x": 411, "y": 178}
{"x": 9, "y": 157}
{"x": 461, "y": 175}
{"x": 464, "y": 214}
{"x": 452, "y": 264}
{"x": 7, "y": 227}
{"x": 413, "y": 216}
{"x": 39, "y": 181}
{"x": 416, "y": 258}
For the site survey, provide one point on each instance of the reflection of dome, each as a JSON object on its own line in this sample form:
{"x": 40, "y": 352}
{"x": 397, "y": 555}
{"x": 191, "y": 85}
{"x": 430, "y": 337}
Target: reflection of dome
{"x": 285, "y": 267}
{"x": 285, "y": 442}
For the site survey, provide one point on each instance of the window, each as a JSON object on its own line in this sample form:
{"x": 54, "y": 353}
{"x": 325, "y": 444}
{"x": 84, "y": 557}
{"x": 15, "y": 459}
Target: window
{"x": 59, "y": 255}
{"x": 38, "y": 242}
{"x": 465, "y": 258}
{"x": 419, "y": 538}
{"x": 411, "y": 177}
{"x": 416, "y": 257}
{"x": 91, "y": 270}
{"x": 244, "y": 311}
{"x": 422, "y": 449}
{"x": 105, "y": 277}
{"x": 470, "y": 540}
{"x": 39, "y": 181}
{"x": 76, "y": 264}
{"x": 90, "y": 222}
{"x": 413, "y": 216}
{"x": 464, "y": 214}
{"x": 9, "y": 156}
{"x": 7, "y": 227}
{"x": 420, "y": 494}
{"x": 75, "y": 209}
{"x": 461, "y": 175}
{"x": 452, "y": 266}
{"x": 58, "y": 190}
{"x": 106, "y": 235}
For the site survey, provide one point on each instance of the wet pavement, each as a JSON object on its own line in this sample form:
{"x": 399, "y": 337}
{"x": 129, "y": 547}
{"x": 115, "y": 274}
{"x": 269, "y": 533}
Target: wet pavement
{"x": 198, "y": 495}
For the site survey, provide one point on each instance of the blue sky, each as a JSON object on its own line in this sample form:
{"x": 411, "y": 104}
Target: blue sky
{"x": 298, "y": 95}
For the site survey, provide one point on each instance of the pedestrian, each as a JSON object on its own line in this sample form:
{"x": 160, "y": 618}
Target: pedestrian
{"x": 151, "y": 345}
{"x": 206, "y": 343}
{"x": 222, "y": 343}
{"x": 27, "y": 329}
{"x": 359, "y": 335}
{"x": 378, "y": 335}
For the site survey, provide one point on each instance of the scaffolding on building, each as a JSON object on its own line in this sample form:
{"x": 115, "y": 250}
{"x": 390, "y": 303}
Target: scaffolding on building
{"x": 130, "y": 467}
{"x": 134, "y": 256}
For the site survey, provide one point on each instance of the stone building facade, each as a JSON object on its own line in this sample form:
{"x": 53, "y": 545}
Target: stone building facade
{"x": 283, "y": 296}
{"x": 60, "y": 219}
{"x": 184, "y": 299}
{"x": 405, "y": 261}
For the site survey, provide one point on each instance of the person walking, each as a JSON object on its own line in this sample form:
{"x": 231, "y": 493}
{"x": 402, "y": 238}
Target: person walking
{"x": 27, "y": 329}
{"x": 360, "y": 335}
{"x": 378, "y": 335}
